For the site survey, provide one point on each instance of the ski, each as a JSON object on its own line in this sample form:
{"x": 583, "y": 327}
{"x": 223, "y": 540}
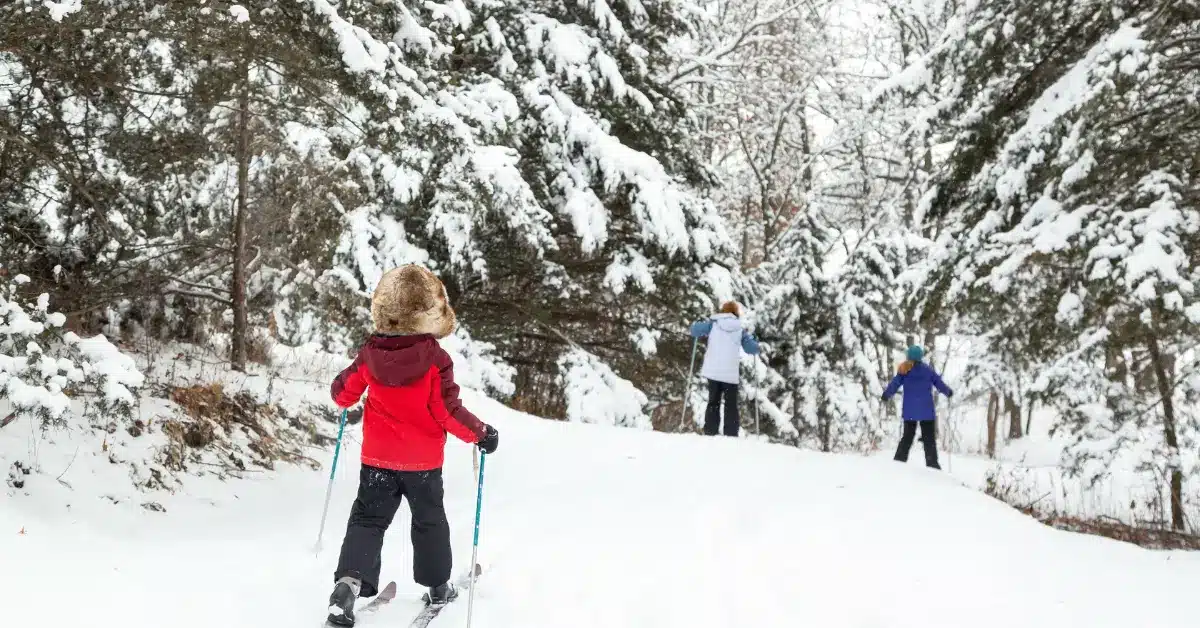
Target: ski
{"x": 427, "y": 614}
{"x": 385, "y": 596}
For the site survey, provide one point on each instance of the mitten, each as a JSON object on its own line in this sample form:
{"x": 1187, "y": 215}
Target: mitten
{"x": 490, "y": 440}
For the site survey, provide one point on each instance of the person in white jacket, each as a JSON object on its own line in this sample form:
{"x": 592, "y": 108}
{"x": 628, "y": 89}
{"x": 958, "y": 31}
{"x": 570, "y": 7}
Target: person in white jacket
{"x": 726, "y": 340}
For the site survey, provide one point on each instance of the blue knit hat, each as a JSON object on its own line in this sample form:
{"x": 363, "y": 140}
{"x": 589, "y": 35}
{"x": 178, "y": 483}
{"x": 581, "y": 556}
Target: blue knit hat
{"x": 915, "y": 353}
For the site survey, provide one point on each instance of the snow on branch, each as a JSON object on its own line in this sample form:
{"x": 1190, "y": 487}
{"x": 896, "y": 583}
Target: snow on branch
{"x": 59, "y": 10}
{"x": 361, "y": 52}
{"x": 660, "y": 205}
{"x": 1083, "y": 82}
{"x": 579, "y": 58}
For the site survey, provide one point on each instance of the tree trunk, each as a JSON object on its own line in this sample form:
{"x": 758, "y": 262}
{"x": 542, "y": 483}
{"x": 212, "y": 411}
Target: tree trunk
{"x": 993, "y": 417}
{"x": 1014, "y": 416}
{"x": 237, "y": 357}
{"x": 1165, "y": 390}
{"x": 797, "y": 419}
{"x": 1028, "y": 415}
{"x": 826, "y": 421}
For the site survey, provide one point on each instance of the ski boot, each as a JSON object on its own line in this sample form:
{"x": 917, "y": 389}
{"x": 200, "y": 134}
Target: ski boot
{"x": 341, "y": 603}
{"x": 441, "y": 594}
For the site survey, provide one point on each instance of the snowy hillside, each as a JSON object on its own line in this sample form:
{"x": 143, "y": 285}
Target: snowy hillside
{"x": 593, "y": 526}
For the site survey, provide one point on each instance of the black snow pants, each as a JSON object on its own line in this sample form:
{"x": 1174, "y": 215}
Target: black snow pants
{"x": 928, "y": 439}
{"x": 712, "y": 416}
{"x": 379, "y": 494}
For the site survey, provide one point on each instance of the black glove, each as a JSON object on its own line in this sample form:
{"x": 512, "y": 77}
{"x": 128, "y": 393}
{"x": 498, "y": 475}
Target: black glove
{"x": 354, "y": 416}
{"x": 490, "y": 440}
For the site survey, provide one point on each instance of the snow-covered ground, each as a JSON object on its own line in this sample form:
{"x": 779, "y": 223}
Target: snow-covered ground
{"x": 587, "y": 526}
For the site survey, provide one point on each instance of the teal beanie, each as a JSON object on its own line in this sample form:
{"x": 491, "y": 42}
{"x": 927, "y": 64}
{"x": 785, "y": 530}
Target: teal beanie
{"x": 915, "y": 353}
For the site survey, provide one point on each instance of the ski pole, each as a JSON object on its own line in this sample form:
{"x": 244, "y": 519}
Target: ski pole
{"x": 757, "y": 396}
{"x": 332, "y": 469}
{"x": 687, "y": 382}
{"x": 475, "y": 543}
{"x": 950, "y": 433}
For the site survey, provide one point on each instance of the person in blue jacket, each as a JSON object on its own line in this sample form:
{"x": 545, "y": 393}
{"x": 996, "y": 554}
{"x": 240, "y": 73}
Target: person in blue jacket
{"x": 918, "y": 380}
{"x": 721, "y": 365}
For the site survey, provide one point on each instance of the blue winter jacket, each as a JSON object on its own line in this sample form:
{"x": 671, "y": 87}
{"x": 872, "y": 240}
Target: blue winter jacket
{"x": 918, "y": 386}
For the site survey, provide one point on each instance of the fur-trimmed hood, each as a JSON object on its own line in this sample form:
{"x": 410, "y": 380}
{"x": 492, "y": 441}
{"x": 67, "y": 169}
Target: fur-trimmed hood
{"x": 412, "y": 300}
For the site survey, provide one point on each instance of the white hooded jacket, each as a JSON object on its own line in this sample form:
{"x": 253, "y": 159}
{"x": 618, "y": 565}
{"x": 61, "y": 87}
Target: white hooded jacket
{"x": 726, "y": 339}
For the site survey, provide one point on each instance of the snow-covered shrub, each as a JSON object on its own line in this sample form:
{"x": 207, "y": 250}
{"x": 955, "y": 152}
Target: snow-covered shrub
{"x": 596, "y": 394}
{"x": 54, "y": 375}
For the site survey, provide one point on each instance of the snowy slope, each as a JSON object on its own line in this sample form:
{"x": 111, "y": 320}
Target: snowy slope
{"x": 588, "y": 526}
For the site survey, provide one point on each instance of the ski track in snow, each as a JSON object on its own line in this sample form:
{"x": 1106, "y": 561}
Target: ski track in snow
{"x": 589, "y": 526}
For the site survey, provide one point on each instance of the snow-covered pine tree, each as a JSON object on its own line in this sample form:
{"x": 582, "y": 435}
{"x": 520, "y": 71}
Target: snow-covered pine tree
{"x": 275, "y": 155}
{"x": 825, "y": 323}
{"x": 130, "y": 138}
{"x": 541, "y": 173}
{"x": 794, "y": 315}
{"x": 1071, "y": 195}
{"x": 68, "y": 208}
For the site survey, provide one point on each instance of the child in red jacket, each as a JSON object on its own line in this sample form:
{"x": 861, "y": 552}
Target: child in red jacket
{"x": 412, "y": 402}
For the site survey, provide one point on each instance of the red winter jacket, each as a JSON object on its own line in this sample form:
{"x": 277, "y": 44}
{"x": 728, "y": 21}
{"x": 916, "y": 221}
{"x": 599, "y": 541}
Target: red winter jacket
{"x": 412, "y": 401}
